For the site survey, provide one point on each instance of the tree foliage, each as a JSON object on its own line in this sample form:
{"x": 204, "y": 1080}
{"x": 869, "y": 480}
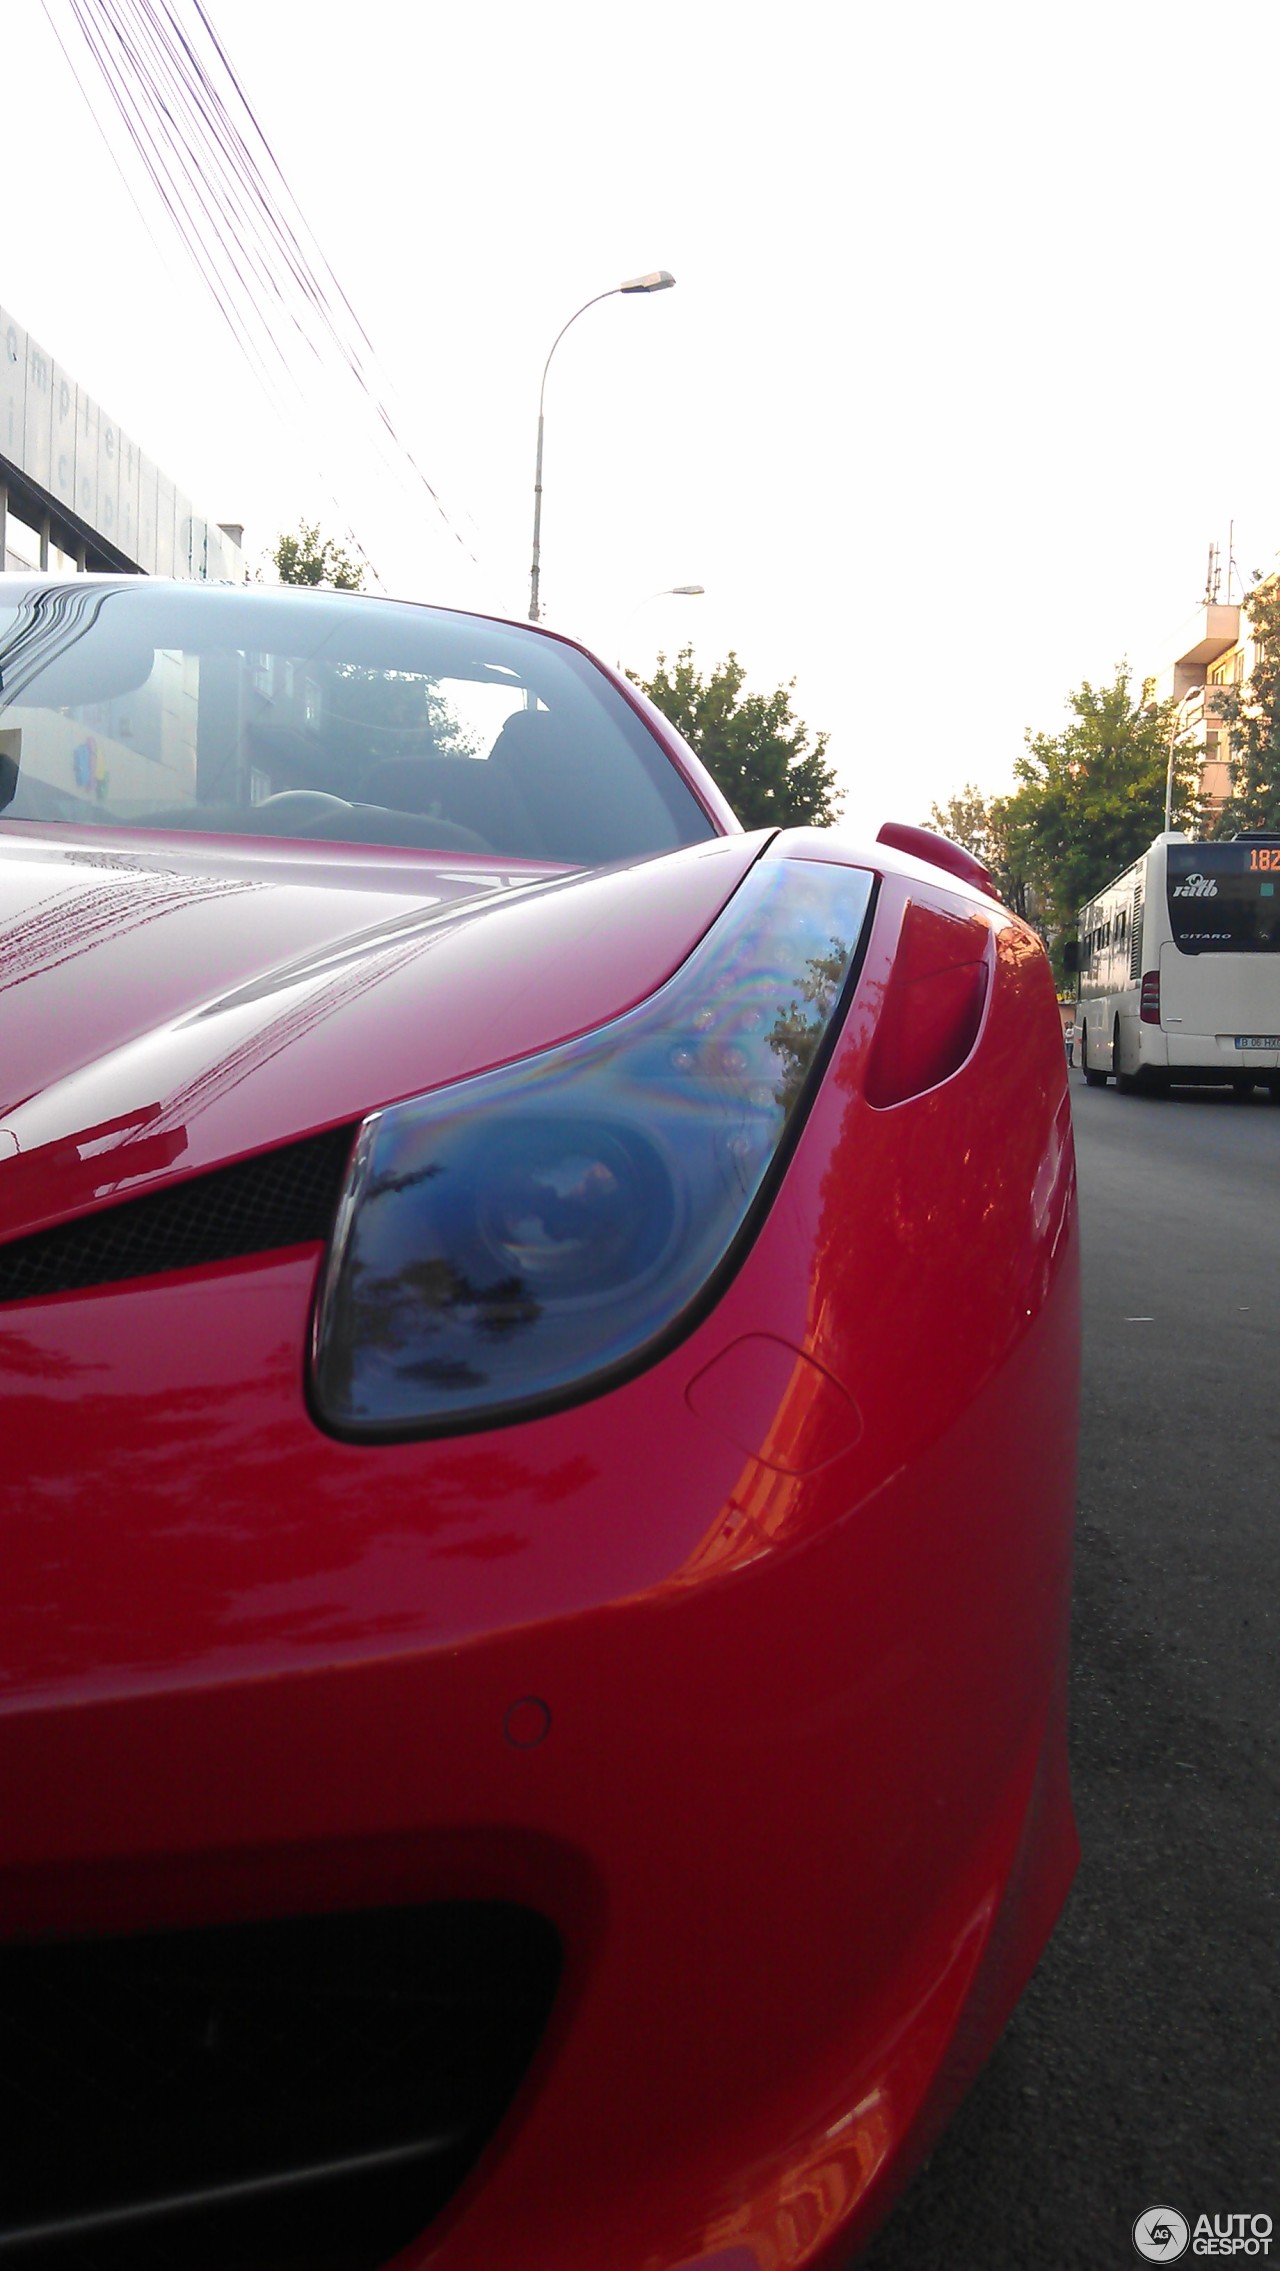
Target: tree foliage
{"x": 964, "y": 819}
{"x": 773, "y": 772}
{"x": 1088, "y": 800}
{"x": 1091, "y": 798}
{"x": 1252, "y": 713}
{"x": 308, "y": 558}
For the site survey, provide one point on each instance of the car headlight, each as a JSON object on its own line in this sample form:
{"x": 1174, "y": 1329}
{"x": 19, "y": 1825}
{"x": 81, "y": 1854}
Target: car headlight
{"x": 531, "y": 1233}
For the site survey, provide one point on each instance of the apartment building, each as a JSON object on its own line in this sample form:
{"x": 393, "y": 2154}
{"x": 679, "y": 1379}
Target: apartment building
{"x": 1214, "y": 652}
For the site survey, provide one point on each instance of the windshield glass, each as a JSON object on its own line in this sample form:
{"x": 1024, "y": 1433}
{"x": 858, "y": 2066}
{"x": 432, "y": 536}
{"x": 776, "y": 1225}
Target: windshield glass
{"x": 323, "y": 716}
{"x": 1225, "y": 898}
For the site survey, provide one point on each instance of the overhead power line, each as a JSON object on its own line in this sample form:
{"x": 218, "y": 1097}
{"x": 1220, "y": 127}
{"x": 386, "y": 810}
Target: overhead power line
{"x": 209, "y": 163}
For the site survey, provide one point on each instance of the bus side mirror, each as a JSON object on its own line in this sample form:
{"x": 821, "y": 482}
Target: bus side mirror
{"x": 1071, "y": 957}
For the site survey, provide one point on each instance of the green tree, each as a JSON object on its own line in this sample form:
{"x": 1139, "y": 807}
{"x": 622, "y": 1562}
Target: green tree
{"x": 1009, "y": 862}
{"x": 755, "y": 748}
{"x": 308, "y": 558}
{"x": 1089, "y": 799}
{"x": 1252, "y": 712}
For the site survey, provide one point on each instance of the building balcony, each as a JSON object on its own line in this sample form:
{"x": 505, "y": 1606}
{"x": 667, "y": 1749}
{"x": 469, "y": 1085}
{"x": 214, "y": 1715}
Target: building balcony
{"x": 1203, "y": 638}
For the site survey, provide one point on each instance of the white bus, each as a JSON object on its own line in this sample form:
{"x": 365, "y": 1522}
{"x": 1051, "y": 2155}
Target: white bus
{"x": 1178, "y": 968}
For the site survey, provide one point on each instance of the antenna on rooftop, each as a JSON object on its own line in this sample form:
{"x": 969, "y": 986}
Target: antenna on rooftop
{"x": 1232, "y": 570}
{"x": 1213, "y": 577}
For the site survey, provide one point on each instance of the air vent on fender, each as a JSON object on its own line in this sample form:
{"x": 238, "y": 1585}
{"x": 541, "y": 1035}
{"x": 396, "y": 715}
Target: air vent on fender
{"x": 933, "y": 1004}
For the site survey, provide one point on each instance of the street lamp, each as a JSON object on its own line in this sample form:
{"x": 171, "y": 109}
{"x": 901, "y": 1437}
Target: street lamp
{"x": 1177, "y": 725}
{"x": 659, "y": 280}
{"x": 669, "y": 591}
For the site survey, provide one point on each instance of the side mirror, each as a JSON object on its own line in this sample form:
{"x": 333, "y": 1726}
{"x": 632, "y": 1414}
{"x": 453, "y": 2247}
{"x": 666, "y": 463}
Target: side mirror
{"x": 1071, "y": 957}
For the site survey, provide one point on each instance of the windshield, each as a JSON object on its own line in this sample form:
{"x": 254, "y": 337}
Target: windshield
{"x": 1225, "y": 898}
{"x": 324, "y": 716}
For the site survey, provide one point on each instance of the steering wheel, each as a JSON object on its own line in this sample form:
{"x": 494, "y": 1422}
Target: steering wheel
{"x": 334, "y": 819}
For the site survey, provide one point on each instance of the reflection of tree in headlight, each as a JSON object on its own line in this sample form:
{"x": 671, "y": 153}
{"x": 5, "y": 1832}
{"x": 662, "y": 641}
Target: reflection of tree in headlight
{"x": 395, "y": 1310}
{"x": 798, "y": 1029}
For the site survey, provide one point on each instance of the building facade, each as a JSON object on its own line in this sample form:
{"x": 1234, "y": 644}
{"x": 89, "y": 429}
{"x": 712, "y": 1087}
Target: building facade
{"x": 1214, "y": 654}
{"x": 76, "y": 492}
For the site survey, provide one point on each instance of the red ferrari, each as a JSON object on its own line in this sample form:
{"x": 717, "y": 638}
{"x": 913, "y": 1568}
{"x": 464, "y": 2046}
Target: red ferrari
{"x": 538, "y": 1344}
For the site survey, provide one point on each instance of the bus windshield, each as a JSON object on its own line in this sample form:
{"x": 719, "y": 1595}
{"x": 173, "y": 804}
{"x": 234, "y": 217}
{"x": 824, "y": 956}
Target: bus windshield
{"x": 1225, "y": 898}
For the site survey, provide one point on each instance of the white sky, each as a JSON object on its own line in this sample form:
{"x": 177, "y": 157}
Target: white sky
{"x": 972, "y": 350}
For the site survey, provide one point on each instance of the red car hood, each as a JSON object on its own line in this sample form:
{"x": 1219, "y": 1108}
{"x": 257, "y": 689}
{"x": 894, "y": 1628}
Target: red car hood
{"x": 168, "y": 1008}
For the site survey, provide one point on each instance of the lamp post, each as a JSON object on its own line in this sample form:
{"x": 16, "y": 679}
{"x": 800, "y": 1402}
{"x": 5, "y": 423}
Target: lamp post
{"x": 659, "y": 280}
{"x": 1177, "y": 725}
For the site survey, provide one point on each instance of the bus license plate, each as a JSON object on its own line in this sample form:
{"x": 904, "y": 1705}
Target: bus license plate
{"x": 1258, "y": 1040}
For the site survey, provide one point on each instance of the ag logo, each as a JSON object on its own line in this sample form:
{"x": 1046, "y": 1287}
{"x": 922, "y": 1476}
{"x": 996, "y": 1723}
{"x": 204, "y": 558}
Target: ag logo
{"x": 1161, "y": 2235}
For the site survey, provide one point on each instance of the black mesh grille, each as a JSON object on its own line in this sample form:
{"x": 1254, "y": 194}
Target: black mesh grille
{"x": 281, "y": 1198}
{"x": 305, "y": 2092}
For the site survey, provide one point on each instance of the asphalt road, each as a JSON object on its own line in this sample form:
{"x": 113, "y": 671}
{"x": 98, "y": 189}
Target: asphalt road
{"x": 1142, "y": 2067}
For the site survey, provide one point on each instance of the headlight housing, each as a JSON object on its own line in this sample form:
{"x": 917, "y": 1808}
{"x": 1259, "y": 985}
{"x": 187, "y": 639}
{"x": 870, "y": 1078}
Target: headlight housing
{"x": 529, "y": 1234}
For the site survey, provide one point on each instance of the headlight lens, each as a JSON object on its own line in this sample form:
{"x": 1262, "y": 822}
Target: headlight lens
{"x": 529, "y": 1233}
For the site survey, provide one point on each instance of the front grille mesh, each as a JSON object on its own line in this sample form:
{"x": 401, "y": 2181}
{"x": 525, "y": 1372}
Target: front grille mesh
{"x": 304, "y": 2092}
{"x": 281, "y": 1198}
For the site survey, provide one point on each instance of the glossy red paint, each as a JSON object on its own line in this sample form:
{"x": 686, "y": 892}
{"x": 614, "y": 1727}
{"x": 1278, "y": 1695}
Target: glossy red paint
{"x": 171, "y": 1013}
{"x": 933, "y": 1005}
{"x": 799, "y": 1808}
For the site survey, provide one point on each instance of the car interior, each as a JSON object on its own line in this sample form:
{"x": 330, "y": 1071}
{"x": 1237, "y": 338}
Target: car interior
{"x": 317, "y": 717}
